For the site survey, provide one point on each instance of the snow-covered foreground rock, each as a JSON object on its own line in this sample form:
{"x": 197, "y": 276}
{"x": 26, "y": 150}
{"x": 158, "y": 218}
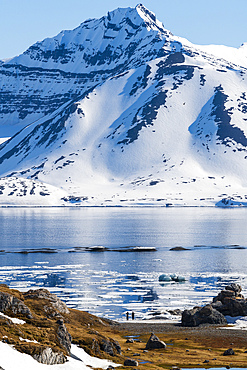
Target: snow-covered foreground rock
{"x": 121, "y": 112}
{"x": 12, "y": 359}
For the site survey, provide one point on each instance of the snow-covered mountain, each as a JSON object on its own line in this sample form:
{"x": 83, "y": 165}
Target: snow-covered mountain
{"x": 120, "y": 111}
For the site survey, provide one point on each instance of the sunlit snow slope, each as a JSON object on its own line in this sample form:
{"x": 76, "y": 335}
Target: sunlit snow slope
{"x": 120, "y": 112}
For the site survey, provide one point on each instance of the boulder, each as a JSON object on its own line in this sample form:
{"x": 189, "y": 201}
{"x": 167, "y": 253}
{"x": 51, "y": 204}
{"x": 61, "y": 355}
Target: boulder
{"x": 130, "y": 362}
{"x": 9, "y": 302}
{"x": 229, "y": 352}
{"x": 109, "y": 346}
{"x": 230, "y": 301}
{"x": 235, "y": 288}
{"x": 155, "y": 343}
{"x": 203, "y": 315}
{"x": 231, "y": 291}
{"x": 48, "y": 357}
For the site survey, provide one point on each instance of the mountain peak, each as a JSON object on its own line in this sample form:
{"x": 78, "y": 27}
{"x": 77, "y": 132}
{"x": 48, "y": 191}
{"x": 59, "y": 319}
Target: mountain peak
{"x": 110, "y": 40}
{"x": 139, "y": 15}
{"x": 149, "y": 17}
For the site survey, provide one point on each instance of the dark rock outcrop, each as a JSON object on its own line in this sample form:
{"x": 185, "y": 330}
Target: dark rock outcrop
{"x": 63, "y": 336}
{"x": 230, "y": 301}
{"x": 9, "y": 303}
{"x": 58, "y": 307}
{"x": 48, "y": 357}
{"x": 203, "y": 315}
{"x": 155, "y": 343}
{"x": 110, "y": 346}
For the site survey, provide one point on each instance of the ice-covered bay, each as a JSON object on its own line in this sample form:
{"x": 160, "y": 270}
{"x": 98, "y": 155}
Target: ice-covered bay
{"x": 48, "y": 248}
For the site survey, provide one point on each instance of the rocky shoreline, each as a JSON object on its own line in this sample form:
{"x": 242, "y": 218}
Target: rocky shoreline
{"x": 39, "y": 324}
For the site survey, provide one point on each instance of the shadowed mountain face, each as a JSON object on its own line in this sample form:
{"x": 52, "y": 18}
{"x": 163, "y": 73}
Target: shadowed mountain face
{"x": 121, "y": 106}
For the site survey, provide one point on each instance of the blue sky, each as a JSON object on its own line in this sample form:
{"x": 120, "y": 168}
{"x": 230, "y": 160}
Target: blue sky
{"x": 23, "y": 22}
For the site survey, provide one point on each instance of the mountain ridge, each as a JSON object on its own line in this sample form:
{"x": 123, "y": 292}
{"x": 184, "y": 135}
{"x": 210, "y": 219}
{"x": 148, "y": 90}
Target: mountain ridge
{"x": 137, "y": 119}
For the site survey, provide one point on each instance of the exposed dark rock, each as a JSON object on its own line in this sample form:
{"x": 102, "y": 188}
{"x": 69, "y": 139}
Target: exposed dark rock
{"x": 109, "y": 346}
{"x": 230, "y": 301}
{"x": 226, "y": 131}
{"x": 56, "y": 303}
{"x": 48, "y": 357}
{"x": 234, "y": 287}
{"x": 176, "y": 312}
{"x": 63, "y": 336}
{"x": 229, "y": 352}
{"x": 10, "y": 303}
{"x": 154, "y": 342}
{"x": 179, "y": 249}
{"x": 203, "y": 315}
{"x": 95, "y": 346}
{"x": 130, "y": 362}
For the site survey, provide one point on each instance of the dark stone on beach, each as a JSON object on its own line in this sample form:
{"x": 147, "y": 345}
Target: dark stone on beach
{"x": 130, "y": 362}
{"x": 202, "y": 315}
{"x": 235, "y": 288}
{"x": 130, "y": 340}
{"x": 110, "y": 367}
{"x": 206, "y": 361}
{"x": 155, "y": 343}
{"x": 230, "y": 301}
{"x": 229, "y": 352}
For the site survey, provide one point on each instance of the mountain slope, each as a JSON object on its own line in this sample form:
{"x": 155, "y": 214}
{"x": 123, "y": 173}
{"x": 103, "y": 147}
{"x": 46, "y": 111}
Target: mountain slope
{"x": 126, "y": 113}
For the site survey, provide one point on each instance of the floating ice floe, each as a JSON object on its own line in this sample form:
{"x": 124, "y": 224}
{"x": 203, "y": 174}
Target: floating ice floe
{"x": 172, "y": 277}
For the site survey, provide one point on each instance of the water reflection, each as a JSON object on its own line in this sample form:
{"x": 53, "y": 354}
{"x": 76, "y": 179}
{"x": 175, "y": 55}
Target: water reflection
{"x": 114, "y": 227}
{"x": 110, "y": 283}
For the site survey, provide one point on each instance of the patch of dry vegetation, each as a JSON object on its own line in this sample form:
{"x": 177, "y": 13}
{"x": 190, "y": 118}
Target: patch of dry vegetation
{"x": 186, "y": 347}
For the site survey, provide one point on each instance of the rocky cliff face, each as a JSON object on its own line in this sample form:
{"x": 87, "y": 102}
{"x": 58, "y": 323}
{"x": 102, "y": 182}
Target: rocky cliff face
{"x": 120, "y": 110}
{"x": 38, "y": 323}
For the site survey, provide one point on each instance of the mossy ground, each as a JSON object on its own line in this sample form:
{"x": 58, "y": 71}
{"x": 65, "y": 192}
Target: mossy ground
{"x": 186, "y": 347}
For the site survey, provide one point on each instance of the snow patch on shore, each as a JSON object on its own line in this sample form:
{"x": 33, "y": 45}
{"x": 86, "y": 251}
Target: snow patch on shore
{"x": 11, "y": 359}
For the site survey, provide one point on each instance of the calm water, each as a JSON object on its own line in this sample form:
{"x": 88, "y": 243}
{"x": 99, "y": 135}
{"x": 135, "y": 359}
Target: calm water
{"x": 110, "y": 283}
